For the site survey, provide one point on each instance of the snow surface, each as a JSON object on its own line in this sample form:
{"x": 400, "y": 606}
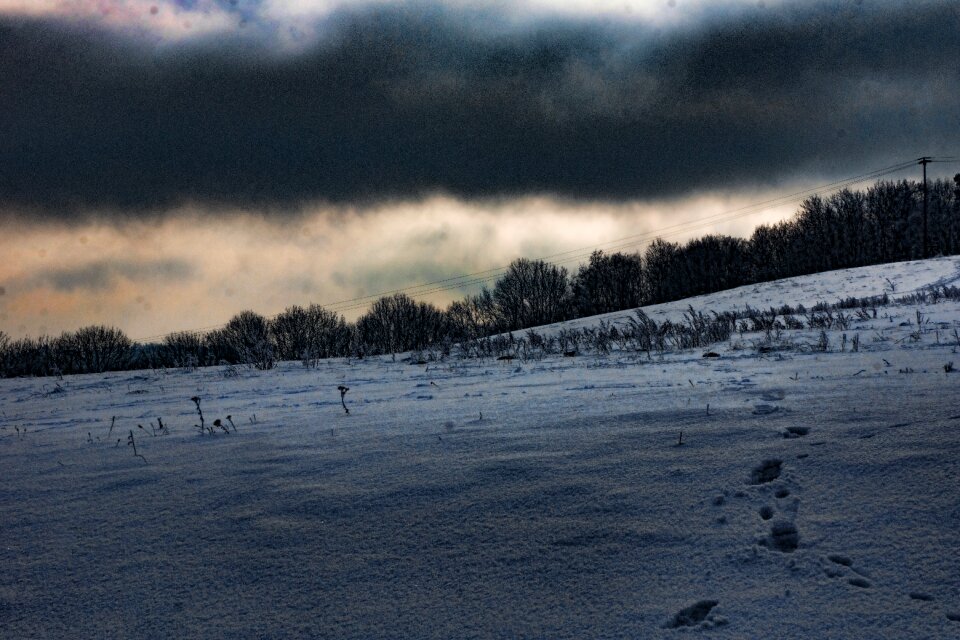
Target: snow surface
{"x": 815, "y": 494}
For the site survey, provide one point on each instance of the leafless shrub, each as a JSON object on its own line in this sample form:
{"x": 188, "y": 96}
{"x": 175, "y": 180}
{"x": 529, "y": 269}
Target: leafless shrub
{"x": 823, "y": 319}
{"x": 792, "y": 323}
{"x": 646, "y": 334}
{"x": 568, "y": 340}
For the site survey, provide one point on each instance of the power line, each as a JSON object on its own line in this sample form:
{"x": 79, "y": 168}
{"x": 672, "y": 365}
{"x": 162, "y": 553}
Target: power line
{"x": 625, "y": 242}
{"x": 488, "y": 275}
{"x": 760, "y": 206}
{"x": 583, "y": 252}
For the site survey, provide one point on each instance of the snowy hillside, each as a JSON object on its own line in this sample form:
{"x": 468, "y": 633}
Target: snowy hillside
{"x": 895, "y": 279}
{"x": 815, "y": 494}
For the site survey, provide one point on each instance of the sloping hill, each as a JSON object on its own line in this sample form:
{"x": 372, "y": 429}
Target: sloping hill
{"x": 814, "y": 494}
{"x": 896, "y": 279}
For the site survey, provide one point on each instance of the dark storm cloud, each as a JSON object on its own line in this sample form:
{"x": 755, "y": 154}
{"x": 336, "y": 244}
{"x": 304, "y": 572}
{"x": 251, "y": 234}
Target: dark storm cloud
{"x": 404, "y": 101}
{"x": 103, "y": 275}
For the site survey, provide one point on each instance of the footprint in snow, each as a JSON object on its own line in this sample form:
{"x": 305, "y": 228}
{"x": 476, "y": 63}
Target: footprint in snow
{"x": 783, "y": 537}
{"x": 796, "y": 432}
{"x": 765, "y": 409}
{"x": 696, "y": 615}
{"x": 768, "y": 471}
{"x": 838, "y": 566}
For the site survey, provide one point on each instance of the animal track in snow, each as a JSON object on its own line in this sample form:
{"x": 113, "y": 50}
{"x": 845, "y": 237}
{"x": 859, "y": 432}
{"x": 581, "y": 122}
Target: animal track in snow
{"x": 782, "y": 493}
{"x": 768, "y": 471}
{"x": 838, "y": 559}
{"x": 784, "y": 537}
{"x": 796, "y": 432}
{"x": 838, "y": 568}
{"x": 833, "y": 572}
{"x": 695, "y": 614}
{"x": 837, "y": 565}
{"x": 765, "y": 409}
{"x": 766, "y": 512}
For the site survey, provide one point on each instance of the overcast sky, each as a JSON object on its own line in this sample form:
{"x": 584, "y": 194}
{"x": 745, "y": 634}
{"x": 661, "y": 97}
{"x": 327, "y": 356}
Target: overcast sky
{"x": 165, "y": 164}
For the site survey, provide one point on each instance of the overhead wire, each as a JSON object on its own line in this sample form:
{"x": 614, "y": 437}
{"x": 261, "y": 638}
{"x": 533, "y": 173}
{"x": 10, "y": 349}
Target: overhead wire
{"x": 468, "y": 280}
{"x": 706, "y": 221}
{"x": 620, "y": 243}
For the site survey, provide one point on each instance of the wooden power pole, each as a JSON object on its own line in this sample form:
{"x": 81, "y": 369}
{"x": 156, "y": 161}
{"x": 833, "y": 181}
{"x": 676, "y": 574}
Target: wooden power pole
{"x": 924, "y": 161}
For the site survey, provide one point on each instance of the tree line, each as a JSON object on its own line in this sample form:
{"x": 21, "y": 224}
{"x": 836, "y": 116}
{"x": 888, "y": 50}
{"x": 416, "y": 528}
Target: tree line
{"x": 847, "y": 229}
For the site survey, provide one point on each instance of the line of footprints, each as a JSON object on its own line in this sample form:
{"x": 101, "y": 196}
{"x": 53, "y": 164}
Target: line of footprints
{"x": 784, "y": 537}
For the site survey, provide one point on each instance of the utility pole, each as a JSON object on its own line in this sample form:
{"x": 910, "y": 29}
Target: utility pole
{"x": 924, "y": 161}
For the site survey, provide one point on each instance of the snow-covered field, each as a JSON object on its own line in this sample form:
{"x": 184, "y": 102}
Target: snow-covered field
{"x": 816, "y": 495}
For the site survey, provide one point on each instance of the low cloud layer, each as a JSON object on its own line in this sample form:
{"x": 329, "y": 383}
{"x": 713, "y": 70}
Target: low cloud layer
{"x": 192, "y": 270}
{"x": 103, "y": 275}
{"x": 401, "y": 102}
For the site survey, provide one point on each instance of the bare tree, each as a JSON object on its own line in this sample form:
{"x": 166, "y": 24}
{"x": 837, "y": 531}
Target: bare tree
{"x": 532, "y": 293}
{"x": 291, "y": 332}
{"x": 661, "y": 262}
{"x": 183, "y": 349}
{"x": 248, "y": 335}
{"x": 398, "y": 323}
{"x": 473, "y": 317}
{"x": 608, "y": 283}
{"x": 310, "y": 333}
{"x": 93, "y": 349}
